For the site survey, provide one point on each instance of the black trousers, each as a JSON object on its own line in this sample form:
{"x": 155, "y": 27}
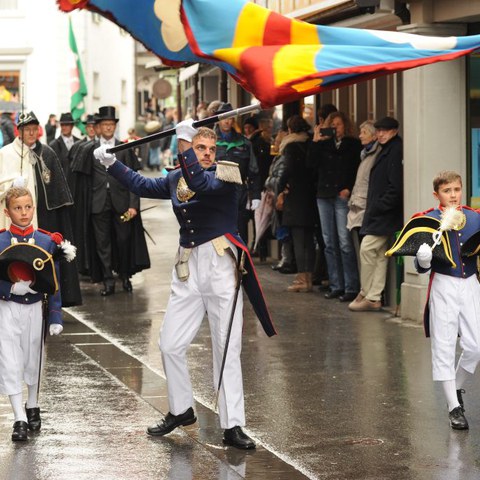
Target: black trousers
{"x": 108, "y": 228}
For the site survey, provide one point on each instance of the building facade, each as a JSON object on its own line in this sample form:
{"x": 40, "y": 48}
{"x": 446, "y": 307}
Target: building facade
{"x": 35, "y": 52}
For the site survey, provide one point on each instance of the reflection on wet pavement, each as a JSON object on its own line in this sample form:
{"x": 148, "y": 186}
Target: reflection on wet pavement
{"x": 336, "y": 395}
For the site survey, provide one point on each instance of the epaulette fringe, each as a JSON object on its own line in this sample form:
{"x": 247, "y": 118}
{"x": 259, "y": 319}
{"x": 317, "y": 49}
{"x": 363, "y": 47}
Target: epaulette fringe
{"x": 228, "y": 172}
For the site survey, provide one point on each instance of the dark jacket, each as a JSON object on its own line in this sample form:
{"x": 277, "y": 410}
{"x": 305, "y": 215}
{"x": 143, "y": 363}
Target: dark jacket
{"x": 90, "y": 180}
{"x": 59, "y": 147}
{"x": 299, "y": 209}
{"x": 239, "y": 149}
{"x": 336, "y": 167}
{"x": 209, "y": 213}
{"x": 384, "y": 213}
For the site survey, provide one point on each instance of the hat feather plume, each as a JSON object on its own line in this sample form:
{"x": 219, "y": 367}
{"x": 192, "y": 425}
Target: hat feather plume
{"x": 69, "y": 251}
{"x": 450, "y": 218}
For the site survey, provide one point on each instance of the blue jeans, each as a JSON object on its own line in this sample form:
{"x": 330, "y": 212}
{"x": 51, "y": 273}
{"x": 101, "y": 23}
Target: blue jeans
{"x": 339, "y": 251}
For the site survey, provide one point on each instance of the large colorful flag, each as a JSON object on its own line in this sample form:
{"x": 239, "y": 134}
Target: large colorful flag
{"x": 78, "y": 86}
{"x": 276, "y": 58}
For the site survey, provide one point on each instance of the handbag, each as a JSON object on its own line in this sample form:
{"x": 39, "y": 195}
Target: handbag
{"x": 280, "y": 202}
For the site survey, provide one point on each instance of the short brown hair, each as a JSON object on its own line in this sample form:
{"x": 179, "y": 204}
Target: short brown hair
{"x": 445, "y": 176}
{"x": 206, "y": 133}
{"x": 16, "y": 192}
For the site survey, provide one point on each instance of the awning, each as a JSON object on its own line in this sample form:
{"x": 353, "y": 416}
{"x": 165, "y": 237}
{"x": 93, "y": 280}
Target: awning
{"x": 188, "y": 72}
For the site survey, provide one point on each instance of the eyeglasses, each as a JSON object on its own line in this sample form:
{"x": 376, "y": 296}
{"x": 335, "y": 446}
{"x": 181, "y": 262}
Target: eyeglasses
{"x": 202, "y": 148}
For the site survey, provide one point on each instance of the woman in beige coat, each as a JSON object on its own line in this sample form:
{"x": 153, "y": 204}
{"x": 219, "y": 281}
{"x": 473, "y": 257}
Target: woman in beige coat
{"x": 358, "y": 199}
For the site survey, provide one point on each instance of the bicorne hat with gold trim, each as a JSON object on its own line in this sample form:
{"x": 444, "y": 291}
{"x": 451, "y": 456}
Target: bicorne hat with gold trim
{"x": 24, "y": 261}
{"x": 471, "y": 246}
{"x": 420, "y": 230}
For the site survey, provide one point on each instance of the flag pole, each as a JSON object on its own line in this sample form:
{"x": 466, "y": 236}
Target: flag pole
{"x": 196, "y": 124}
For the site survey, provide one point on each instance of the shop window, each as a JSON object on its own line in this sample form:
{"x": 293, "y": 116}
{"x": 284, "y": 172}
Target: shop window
{"x": 473, "y": 124}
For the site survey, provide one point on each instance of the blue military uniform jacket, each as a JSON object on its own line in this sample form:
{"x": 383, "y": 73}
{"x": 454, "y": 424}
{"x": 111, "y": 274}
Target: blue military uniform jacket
{"x": 205, "y": 210}
{"x": 465, "y": 266}
{"x": 44, "y": 240}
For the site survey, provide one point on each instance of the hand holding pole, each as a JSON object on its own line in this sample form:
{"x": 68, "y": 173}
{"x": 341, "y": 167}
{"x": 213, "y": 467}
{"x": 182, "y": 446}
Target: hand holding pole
{"x": 196, "y": 124}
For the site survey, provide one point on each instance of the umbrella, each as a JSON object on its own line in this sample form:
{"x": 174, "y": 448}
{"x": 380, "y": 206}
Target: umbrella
{"x": 263, "y": 215}
{"x": 10, "y": 106}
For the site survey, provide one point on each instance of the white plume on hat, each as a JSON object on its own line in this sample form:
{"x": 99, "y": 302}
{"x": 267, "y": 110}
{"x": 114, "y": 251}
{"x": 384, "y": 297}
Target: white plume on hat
{"x": 69, "y": 251}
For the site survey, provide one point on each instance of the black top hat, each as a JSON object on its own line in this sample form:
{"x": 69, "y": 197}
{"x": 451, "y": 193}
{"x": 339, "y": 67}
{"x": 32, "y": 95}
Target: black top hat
{"x": 251, "y": 121}
{"x": 25, "y": 261}
{"x": 417, "y": 231}
{"x": 224, "y": 107}
{"x": 90, "y": 120}
{"x": 106, "y": 113}
{"x": 387, "y": 123}
{"x": 66, "y": 119}
{"x": 27, "y": 119}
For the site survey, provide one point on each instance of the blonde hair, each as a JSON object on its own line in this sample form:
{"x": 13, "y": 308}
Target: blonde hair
{"x": 205, "y": 132}
{"x": 16, "y": 192}
{"x": 445, "y": 176}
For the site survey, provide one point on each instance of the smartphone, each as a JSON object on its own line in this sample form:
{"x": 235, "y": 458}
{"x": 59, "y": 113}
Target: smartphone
{"x": 327, "y": 132}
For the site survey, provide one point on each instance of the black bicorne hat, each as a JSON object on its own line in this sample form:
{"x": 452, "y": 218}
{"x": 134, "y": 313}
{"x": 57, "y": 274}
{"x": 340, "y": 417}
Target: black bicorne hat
{"x": 27, "y": 118}
{"x": 472, "y": 245}
{"x": 106, "y": 113}
{"x": 24, "y": 261}
{"x": 417, "y": 231}
{"x": 66, "y": 119}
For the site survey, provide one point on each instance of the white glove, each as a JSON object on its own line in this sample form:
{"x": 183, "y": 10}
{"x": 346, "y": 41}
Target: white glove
{"x": 424, "y": 256}
{"x": 22, "y": 287}
{"x": 20, "y": 182}
{"x": 255, "y": 204}
{"x": 185, "y": 131}
{"x": 55, "y": 329}
{"x": 106, "y": 159}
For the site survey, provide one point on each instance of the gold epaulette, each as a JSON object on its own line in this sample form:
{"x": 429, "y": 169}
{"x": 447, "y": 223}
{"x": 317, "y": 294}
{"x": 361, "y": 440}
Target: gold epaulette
{"x": 228, "y": 172}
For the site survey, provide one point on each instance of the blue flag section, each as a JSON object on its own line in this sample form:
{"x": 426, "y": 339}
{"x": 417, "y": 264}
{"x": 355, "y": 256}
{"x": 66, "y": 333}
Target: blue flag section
{"x": 277, "y": 59}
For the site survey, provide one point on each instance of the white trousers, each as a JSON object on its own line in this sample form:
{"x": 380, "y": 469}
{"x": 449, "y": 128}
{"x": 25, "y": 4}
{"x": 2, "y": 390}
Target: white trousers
{"x": 209, "y": 289}
{"x": 20, "y": 340}
{"x": 454, "y": 310}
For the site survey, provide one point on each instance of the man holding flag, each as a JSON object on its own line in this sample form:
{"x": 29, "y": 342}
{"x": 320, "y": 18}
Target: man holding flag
{"x": 206, "y": 279}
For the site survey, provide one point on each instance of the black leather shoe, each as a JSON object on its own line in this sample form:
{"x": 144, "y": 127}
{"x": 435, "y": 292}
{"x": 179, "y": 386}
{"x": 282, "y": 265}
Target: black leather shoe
{"x": 107, "y": 291}
{"x": 457, "y": 419}
{"x": 348, "y": 297}
{"x": 333, "y": 294}
{"x": 19, "y": 433}
{"x": 236, "y": 437}
{"x": 459, "y": 396}
{"x": 33, "y": 418}
{"x": 171, "y": 422}
{"x": 288, "y": 268}
{"x": 127, "y": 285}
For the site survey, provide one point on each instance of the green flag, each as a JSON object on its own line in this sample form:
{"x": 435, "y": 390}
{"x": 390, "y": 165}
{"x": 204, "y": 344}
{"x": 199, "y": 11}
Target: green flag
{"x": 78, "y": 85}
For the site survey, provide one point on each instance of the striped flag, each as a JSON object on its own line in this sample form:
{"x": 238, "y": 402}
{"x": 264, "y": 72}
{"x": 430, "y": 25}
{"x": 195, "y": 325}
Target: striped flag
{"x": 78, "y": 86}
{"x": 276, "y": 58}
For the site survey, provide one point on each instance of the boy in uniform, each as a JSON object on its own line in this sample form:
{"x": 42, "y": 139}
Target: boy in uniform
{"x": 453, "y": 305}
{"x": 21, "y": 316}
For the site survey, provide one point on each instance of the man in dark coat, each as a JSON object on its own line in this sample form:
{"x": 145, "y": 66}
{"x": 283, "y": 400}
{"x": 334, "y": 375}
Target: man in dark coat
{"x": 234, "y": 147}
{"x": 108, "y": 229}
{"x": 63, "y": 144}
{"x": 383, "y": 215}
{"x": 29, "y": 163}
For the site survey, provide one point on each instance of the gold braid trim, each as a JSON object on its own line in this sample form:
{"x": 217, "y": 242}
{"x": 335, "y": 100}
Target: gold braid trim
{"x": 228, "y": 172}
